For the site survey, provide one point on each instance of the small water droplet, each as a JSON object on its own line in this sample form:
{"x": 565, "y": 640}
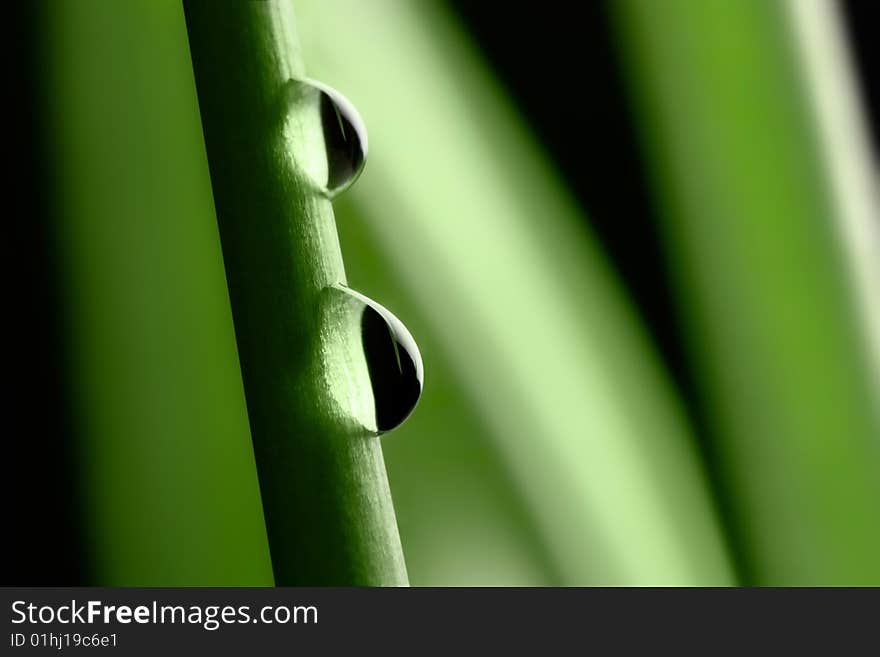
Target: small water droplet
{"x": 344, "y": 149}
{"x": 392, "y": 357}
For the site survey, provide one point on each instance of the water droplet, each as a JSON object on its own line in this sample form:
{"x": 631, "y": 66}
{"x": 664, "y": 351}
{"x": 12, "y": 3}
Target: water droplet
{"x": 392, "y": 358}
{"x": 331, "y": 117}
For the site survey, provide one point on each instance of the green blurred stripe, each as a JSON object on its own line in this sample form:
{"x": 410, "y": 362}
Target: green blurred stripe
{"x": 167, "y": 464}
{"x": 773, "y": 328}
{"x": 462, "y": 522}
{"x": 490, "y": 249}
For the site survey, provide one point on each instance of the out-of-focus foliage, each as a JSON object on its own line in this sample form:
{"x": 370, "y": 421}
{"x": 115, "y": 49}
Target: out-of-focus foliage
{"x": 757, "y": 243}
{"x": 165, "y": 460}
{"x": 472, "y": 224}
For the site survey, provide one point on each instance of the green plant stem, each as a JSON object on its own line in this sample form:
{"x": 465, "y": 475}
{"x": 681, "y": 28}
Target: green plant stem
{"x": 328, "y": 509}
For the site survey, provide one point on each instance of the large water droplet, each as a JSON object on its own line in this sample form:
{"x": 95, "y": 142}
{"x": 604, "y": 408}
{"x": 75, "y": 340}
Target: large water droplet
{"x": 337, "y": 123}
{"x": 392, "y": 357}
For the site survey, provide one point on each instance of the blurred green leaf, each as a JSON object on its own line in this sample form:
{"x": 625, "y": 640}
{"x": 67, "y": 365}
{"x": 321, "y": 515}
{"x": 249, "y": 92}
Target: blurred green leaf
{"x": 462, "y": 520}
{"x": 755, "y": 240}
{"x": 493, "y": 258}
{"x": 166, "y": 459}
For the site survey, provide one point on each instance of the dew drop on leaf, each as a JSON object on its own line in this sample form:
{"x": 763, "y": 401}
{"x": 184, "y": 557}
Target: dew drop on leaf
{"x": 393, "y": 360}
{"x": 330, "y": 116}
